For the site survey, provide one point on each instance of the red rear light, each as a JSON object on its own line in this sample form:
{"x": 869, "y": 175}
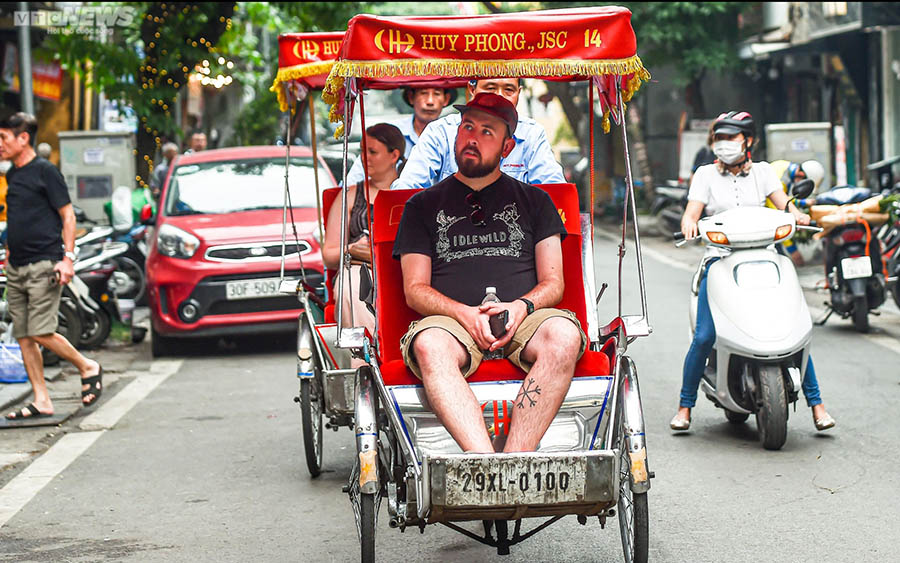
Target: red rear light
{"x": 852, "y": 235}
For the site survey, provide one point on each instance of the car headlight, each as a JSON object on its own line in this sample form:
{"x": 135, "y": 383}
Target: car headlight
{"x": 175, "y": 243}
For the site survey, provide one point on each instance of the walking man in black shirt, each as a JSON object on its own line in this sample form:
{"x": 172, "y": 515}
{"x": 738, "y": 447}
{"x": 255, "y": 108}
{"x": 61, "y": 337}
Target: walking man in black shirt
{"x": 475, "y": 229}
{"x": 39, "y": 258}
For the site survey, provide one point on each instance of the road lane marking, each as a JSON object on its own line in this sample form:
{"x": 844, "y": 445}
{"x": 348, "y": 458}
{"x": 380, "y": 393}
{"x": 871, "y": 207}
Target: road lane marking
{"x": 27, "y": 484}
{"x": 111, "y": 412}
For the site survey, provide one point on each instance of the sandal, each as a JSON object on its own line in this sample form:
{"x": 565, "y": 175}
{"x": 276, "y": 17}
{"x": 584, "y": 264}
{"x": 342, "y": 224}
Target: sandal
{"x": 35, "y": 413}
{"x": 95, "y": 383}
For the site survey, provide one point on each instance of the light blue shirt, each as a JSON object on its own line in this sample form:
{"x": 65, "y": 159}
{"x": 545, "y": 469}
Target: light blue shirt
{"x": 433, "y": 158}
{"x": 405, "y": 125}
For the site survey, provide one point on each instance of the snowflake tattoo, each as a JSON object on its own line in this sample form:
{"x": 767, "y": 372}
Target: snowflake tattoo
{"x": 527, "y": 392}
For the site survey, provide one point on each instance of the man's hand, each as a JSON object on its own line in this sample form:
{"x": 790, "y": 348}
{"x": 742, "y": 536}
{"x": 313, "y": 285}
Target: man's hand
{"x": 64, "y": 270}
{"x": 477, "y": 325}
{"x": 517, "y": 313}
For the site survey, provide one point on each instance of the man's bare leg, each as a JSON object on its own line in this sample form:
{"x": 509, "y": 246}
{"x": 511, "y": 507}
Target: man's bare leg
{"x": 441, "y": 358}
{"x": 34, "y": 366}
{"x": 553, "y": 350}
{"x": 58, "y": 344}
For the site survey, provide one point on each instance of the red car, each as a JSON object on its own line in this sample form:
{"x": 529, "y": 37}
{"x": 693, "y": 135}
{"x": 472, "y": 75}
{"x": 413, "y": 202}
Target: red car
{"x": 214, "y": 261}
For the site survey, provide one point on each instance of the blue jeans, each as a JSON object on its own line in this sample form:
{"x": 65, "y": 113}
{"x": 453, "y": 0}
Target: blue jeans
{"x": 702, "y": 345}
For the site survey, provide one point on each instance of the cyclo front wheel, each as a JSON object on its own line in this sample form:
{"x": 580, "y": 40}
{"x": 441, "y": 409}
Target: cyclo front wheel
{"x": 634, "y": 514}
{"x": 367, "y": 528}
{"x": 633, "y": 510}
{"x": 311, "y": 415}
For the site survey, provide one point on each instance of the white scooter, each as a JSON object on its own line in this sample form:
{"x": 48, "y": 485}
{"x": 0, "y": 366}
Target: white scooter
{"x": 763, "y": 326}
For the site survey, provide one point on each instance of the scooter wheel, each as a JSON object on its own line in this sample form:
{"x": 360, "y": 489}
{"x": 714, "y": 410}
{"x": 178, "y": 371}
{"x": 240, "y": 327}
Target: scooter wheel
{"x": 861, "y": 314}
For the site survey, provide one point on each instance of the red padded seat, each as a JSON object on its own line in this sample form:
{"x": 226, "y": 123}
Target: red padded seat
{"x": 394, "y": 316}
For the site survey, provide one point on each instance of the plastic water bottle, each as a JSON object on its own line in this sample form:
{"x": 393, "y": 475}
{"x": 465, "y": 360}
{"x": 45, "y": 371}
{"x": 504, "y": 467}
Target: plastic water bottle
{"x": 490, "y": 296}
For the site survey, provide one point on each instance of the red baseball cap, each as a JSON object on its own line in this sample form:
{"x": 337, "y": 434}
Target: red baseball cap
{"x": 496, "y": 105}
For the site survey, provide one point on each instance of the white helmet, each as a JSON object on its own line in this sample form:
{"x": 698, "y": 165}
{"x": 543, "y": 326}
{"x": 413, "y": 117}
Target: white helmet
{"x": 814, "y": 171}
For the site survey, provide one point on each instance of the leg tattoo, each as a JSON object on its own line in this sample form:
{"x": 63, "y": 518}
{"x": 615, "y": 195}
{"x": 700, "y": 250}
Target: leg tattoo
{"x": 527, "y": 392}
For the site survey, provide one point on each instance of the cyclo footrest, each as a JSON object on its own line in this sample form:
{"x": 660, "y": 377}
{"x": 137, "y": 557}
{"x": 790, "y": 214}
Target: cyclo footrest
{"x": 521, "y": 484}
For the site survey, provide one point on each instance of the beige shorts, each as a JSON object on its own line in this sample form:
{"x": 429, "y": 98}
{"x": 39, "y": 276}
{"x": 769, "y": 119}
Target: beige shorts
{"x": 33, "y": 292}
{"x": 511, "y": 352}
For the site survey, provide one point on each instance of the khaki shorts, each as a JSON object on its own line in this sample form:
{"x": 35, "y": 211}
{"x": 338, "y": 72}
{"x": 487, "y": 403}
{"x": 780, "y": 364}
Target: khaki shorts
{"x": 511, "y": 352}
{"x": 33, "y": 292}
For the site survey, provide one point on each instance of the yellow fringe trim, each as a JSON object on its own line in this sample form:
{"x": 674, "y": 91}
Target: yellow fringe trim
{"x": 487, "y": 68}
{"x": 481, "y": 69}
{"x": 296, "y": 72}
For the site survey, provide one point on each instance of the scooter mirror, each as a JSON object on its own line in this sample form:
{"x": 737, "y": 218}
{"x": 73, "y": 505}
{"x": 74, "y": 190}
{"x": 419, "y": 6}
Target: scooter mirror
{"x": 803, "y": 188}
{"x": 147, "y": 213}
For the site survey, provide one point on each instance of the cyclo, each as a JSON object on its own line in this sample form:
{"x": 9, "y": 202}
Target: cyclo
{"x": 592, "y": 461}
{"x": 326, "y": 381}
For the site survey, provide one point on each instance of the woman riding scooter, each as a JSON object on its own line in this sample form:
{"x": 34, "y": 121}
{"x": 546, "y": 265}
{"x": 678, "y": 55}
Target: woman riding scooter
{"x": 732, "y": 181}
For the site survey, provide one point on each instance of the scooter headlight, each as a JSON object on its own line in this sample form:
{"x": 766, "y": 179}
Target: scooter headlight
{"x": 175, "y": 243}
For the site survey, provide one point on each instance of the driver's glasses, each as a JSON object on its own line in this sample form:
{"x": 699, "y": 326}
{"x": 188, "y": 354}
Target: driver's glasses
{"x": 477, "y": 215}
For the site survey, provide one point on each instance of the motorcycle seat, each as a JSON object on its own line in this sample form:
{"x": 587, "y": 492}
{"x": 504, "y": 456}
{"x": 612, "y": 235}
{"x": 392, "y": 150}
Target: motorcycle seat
{"x": 842, "y": 195}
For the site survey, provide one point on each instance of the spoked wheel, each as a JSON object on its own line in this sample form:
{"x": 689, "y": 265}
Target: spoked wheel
{"x": 771, "y": 418}
{"x": 311, "y": 398}
{"x": 861, "y": 314}
{"x": 367, "y": 513}
{"x": 632, "y": 508}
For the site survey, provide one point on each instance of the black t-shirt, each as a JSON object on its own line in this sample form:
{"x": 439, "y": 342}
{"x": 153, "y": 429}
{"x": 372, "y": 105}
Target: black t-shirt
{"x": 466, "y": 258}
{"x": 36, "y": 193}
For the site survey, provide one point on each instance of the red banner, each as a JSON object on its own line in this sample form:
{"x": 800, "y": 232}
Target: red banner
{"x": 546, "y": 44}
{"x": 306, "y": 58}
{"x": 571, "y": 44}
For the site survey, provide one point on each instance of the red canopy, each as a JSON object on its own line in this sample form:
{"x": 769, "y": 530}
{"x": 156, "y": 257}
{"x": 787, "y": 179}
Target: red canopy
{"x": 306, "y": 58}
{"x": 571, "y": 44}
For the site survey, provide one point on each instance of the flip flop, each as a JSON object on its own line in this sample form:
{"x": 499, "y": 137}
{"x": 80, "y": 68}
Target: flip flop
{"x": 95, "y": 387}
{"x": 35, "y": 413}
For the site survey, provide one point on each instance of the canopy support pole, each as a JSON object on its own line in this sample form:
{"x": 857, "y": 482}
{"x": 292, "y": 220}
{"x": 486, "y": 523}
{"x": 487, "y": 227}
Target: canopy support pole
{"x": 630, "y": 201}
{"x": 344, "y": 223}
{"x": 591, "y": 157}
{"x": 315, "y": 151}
{"x": 287, "y": 163}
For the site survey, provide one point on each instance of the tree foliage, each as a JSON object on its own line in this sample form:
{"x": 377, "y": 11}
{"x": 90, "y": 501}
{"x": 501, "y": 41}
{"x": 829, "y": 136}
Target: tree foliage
{"x": 147, "y": 61}
{"x": 693, "y": 37}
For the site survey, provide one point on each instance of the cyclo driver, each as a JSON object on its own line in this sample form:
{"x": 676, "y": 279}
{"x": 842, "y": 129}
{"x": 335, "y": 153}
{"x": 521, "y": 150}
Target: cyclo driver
{"x": 479, "y": 228}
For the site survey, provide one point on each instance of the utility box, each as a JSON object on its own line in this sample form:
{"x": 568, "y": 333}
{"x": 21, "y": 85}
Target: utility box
{"x": 94, "y": 163}
{"x": 797, "y": 142}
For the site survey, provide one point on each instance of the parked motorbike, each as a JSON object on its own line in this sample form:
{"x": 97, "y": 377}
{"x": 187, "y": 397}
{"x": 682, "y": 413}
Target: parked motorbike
{"x": 668, "y": 206}
{"x": 854, "y": 268}
{"x": 763, "y": 325}
{"x": 129, "y": 278}
{"x": 90, "y": 291}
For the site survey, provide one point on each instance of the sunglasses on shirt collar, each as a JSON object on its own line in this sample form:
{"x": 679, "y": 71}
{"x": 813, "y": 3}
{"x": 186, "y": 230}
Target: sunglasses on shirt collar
{"x": 477, "y": 215}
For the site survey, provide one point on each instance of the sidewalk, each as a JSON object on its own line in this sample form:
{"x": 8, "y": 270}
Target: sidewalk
{"x": 116, "y": 358}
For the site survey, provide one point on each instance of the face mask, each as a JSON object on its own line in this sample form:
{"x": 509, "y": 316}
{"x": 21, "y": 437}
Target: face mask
{"x": 728, "y": 152}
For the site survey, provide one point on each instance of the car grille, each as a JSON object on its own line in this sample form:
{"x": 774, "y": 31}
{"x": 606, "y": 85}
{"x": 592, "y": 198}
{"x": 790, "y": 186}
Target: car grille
{"x": 210, "y": 294}
{"x": 256, "y": 252}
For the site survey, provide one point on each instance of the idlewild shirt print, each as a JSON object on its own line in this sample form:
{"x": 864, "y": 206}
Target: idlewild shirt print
{"x": 479, "y": 239}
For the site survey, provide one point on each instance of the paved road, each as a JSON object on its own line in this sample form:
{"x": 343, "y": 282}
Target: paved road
{"x": 201, "y": 460}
